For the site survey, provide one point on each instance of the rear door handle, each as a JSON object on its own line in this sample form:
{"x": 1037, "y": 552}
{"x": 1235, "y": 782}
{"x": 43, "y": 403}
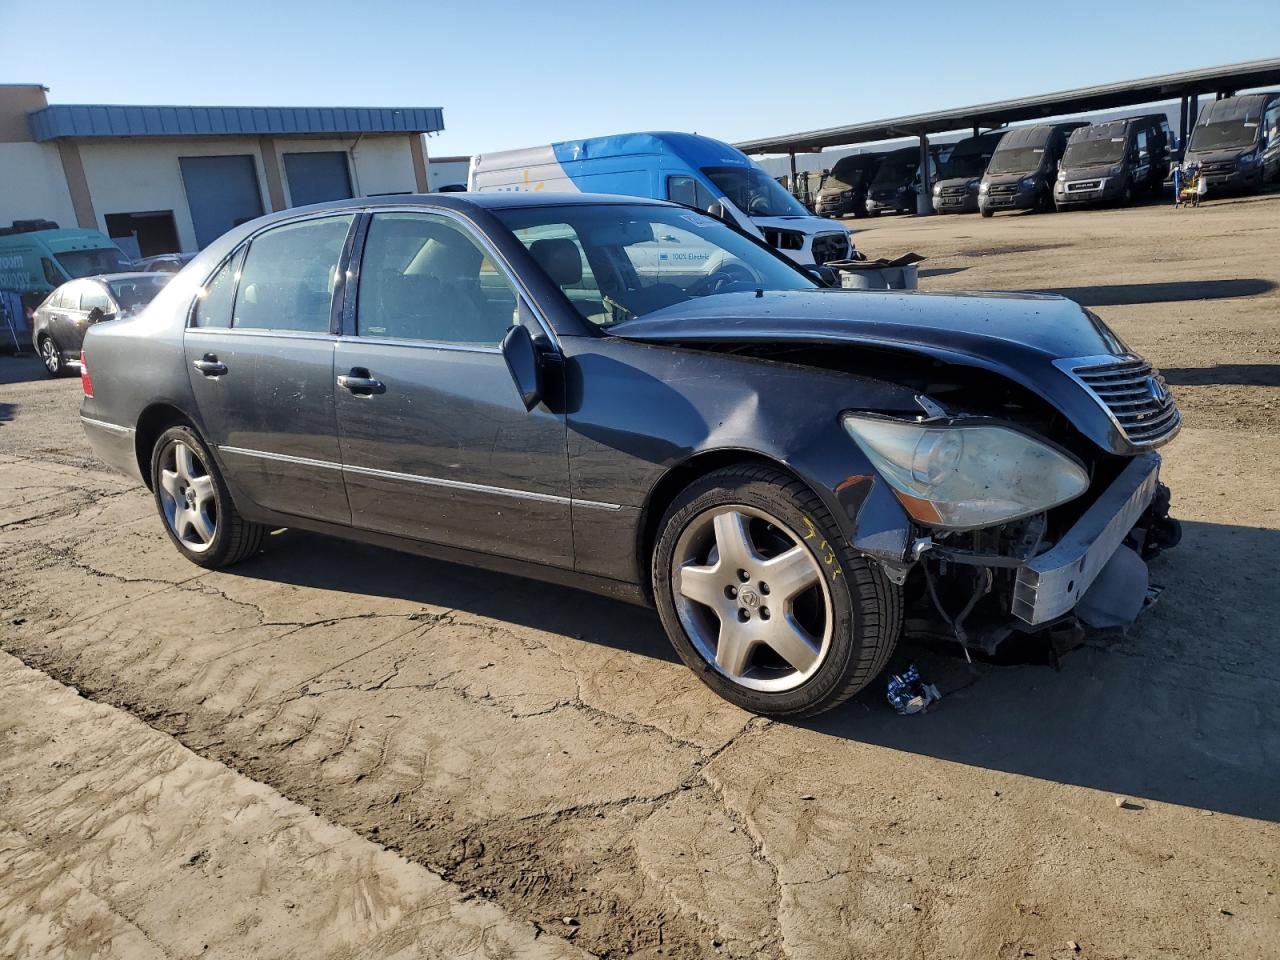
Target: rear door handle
{"x": 360, "y": 383}
{"x": 210, "y": 366}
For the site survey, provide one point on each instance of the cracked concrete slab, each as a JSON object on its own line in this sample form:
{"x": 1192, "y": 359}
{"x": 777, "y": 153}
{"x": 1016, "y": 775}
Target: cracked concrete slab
{"x": 115, "y": 841}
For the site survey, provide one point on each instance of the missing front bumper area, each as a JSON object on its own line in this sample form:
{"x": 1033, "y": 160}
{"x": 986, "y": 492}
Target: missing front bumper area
{"x": 1094, "y": 575}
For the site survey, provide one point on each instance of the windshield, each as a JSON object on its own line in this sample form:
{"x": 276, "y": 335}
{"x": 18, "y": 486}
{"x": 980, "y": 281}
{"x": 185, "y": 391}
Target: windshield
{"x": 88, "y": 263}
{"x": 895, "y": 171}
{"x": 754, "y": 192}
{"x": 1224, "y": 135}
{"x": 850, "y": 174}
{"x": 962, "y": 165}
{"x": 1095, "y": 152}
{"x": 1016, "y": 160}
{"x": 136, "y": 292}
{"x": 615, "y": 261}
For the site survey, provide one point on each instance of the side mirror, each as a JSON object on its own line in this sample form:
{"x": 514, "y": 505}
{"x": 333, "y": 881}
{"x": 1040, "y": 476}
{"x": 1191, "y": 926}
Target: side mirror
{"x": 720, "y": 212}
{"x": 524, "y": 365}
{"x": 96, "y": 315}
{"x": 826, "y": 276}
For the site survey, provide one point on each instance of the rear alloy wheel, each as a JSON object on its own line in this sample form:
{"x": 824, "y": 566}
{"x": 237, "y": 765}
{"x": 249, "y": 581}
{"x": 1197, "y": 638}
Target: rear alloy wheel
{"x": 762, "y": 598}
{"x": 195, "y": 504}
{"x": 51, "y": 357}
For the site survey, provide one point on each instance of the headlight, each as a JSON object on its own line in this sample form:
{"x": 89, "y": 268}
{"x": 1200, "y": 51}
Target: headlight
{"x": 1248, "y": 160}
{"x": 903, "y": 188}
{"x": 982, "y": 187}
{"x": 937, "y": 189}
{"x": 959, "y": 477}
{"x": 972, "y": 185}
{"x": 1062, "y": 174}
{"x": 1027, "y": 182}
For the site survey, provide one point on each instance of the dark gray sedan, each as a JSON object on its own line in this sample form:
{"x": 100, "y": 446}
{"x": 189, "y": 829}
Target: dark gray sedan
{"x": 633, "y": 397}
{"x": 59, "y": 324}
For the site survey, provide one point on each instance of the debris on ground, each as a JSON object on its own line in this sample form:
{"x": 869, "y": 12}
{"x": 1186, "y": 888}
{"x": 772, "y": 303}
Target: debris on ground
{"x": 909, "y": 694}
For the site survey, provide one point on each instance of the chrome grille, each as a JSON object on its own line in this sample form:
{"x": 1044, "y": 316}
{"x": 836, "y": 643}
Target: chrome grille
{"x": 953, "y": 191}
{"x": 1002, "y": 188}
{"x": 1132, "y": 392}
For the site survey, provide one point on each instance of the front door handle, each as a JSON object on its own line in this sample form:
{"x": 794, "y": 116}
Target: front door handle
{"x": 210, "y": 365}
{"x": 360, "y": 383}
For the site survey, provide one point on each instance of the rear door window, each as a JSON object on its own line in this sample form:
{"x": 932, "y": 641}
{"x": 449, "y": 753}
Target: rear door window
{"x": 213, "y": 303}
{"x": 289, "y": 276}
{"x": 69, "y": 298}
{"x": 94, "y": 296}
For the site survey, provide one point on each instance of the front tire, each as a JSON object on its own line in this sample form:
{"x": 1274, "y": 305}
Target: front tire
{"x": 195, "y": 504}
{"x": 51, "y": 357}
{"x": 764, "y": 599}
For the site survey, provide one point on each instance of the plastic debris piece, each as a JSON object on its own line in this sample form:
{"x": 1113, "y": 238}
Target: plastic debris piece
{"x": 908, "y": 694}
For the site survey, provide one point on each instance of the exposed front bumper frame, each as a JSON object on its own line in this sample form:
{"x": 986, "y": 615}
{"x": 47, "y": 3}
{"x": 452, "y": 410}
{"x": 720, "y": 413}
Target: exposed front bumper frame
{"x": 1053, "y": 583}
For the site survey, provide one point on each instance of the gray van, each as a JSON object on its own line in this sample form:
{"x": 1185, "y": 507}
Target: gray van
{"x": 845, "y": 190}
{"x": 1021, "y": 172}
{"x": 1114, "y": 162}
{"x": 956, "y": 190}
{"x": 896, "y": 184}
{"x": 1237, "y": 143}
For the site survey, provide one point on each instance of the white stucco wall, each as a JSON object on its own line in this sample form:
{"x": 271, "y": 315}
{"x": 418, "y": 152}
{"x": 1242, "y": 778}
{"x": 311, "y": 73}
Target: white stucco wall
{"x": 32, "y": 185}
{"x": 132, "y": 176}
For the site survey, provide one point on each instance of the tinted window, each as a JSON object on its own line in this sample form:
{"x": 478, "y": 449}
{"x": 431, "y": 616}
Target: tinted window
{"x": 289, "y": 276}
{"x": 754, "y": 192}
{"x": 213, "y": 306}
{"x": 92, "y": 296}
{"x": 86, "y": 263}
{"x": 424, "y": 277}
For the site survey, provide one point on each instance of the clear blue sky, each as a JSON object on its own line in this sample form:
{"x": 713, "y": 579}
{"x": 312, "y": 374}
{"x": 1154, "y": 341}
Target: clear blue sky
{"x": 514, "y": 74}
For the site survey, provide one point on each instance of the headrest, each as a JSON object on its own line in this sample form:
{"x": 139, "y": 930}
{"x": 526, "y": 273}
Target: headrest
{"x": 559, "y": 256}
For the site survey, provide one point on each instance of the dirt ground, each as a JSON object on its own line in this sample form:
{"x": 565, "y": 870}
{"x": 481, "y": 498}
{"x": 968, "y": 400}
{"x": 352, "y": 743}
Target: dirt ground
{"x": 355, "y": 753}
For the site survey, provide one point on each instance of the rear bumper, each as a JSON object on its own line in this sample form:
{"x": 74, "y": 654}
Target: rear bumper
{"x": 1051, "y": 584}
{"x": 113, "y": 445}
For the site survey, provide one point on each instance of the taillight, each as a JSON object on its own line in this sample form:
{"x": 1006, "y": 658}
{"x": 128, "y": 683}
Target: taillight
{"x": 85, "y": 383}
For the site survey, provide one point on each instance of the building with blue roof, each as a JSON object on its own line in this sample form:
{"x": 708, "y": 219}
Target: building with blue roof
{"x": 162, "y": 179}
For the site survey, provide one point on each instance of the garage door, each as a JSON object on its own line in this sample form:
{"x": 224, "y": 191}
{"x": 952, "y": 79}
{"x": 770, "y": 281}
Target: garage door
{"x": 221, "y": 192}
{"x": 317, "y": 177}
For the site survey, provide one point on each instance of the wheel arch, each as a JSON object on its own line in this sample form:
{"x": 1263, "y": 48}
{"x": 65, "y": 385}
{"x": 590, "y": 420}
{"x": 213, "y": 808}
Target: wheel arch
{"x": 675, "y": 480}
{"x": 155, "y": 420}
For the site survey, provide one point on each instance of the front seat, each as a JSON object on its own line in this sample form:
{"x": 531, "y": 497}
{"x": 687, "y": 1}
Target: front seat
{"x": 560, "y": 258}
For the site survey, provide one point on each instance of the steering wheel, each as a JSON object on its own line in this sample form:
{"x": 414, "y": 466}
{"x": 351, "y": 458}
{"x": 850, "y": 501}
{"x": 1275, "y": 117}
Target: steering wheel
{"x": 725, "y": 275}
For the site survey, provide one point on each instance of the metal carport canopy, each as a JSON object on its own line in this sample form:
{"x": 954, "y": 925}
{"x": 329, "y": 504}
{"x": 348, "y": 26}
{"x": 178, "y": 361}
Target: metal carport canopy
{"x": 1230, "y": 78}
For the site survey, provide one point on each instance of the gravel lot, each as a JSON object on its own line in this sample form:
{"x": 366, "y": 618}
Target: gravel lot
{"x": 342, "y": 753}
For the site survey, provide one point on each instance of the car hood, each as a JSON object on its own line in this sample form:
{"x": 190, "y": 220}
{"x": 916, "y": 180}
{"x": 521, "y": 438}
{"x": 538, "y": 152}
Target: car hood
{"x": 1015, "y": 335}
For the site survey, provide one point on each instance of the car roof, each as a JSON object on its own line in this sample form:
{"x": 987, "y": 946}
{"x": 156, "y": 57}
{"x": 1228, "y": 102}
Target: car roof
{"x": 501, "y": 200}
{"x": 108, "y": 277}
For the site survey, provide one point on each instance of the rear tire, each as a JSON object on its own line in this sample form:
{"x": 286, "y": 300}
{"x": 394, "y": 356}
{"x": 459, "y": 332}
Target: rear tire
{"x": 844, "y": 610}
{"x": 195, "y": 504}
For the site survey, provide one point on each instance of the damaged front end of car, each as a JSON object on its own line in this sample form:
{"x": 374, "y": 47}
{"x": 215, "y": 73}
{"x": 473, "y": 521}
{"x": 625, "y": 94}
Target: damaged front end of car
{"x": 1020, "y": 526}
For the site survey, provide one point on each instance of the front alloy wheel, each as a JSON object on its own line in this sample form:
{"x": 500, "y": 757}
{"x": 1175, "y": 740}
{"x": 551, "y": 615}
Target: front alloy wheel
{"x": 50, "y": 356}
{"x": 753, "y": 600}
{"x": 763, "y": 598}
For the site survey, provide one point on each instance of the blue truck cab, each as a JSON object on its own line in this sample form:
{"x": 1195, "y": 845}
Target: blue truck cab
{"x": 686, "y": 168}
